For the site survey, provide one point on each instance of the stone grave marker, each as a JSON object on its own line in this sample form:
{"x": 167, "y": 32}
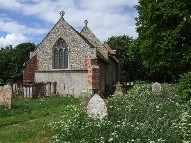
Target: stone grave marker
{"x": 156, "y": 87}
{"x": 6, "y": 95}
{"x": 118, "y": 89}
{"x": 96, "y": 108}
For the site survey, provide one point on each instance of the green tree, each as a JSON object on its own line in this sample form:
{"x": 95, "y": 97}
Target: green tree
{"x": 22, "y": 53}
{"x": 12, "y": 60}
{"x": 164, "y": 28}
{"x": 121, "y": 44}
{"x": 183, "y": 90}
{"x": 5, "y": 62}
{"x": 137, "y": 70}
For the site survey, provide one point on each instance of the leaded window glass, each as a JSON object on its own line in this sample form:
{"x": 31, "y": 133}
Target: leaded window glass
{"x": 66, "y": 58}
{"x": 60, "y": 55}
{"x": 61, "y": 60}
{"x": 56, "y": 59}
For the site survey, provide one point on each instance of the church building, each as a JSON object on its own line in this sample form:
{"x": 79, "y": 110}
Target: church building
{"x": 76, "y": 61}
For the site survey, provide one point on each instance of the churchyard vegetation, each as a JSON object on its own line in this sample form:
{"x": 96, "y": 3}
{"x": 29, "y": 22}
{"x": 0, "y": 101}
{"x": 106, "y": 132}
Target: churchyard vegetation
{"x": 183, "y": 90}
{"x": 139, "y": 116}
{"x": 27, "y": 119}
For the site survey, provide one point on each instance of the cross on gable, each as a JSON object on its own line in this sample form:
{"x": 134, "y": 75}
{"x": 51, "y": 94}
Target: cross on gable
{"x": 62, "y": 13}
{"x": 86, "y": 22}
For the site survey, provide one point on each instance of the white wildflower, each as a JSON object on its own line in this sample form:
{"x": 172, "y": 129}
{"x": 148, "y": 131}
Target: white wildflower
{"x": 110, "y": 140}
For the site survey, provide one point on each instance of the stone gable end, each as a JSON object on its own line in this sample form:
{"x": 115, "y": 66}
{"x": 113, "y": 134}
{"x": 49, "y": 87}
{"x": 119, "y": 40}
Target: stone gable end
{"x": 77, "y": 47}
{"x": 86, "y": 32}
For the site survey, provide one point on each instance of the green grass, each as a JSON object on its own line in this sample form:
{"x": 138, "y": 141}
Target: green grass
{"x": 27, "y": 121}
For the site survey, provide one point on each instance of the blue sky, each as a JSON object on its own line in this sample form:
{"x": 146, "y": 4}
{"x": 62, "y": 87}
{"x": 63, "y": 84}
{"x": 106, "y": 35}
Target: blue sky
{"x": 30, "y": 20}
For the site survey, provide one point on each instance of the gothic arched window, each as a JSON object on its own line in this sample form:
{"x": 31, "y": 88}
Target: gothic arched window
{"x": 60, "y": 55}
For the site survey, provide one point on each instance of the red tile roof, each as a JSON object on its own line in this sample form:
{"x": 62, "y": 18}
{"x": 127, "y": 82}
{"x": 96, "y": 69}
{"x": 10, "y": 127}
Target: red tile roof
{"x": 109, "y": 49}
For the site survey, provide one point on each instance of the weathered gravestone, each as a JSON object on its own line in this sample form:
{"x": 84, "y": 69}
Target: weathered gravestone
{"x": 96, "y": 108}
{"x": 118, "y": 89}
{"x": 156, "y": 87}
{"x": 5, "y": 95}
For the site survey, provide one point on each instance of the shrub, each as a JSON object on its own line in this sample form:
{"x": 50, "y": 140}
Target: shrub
{"x": 18, "y": 93}
{"x": 183, "y": 90}
{"x": 10, "y": 81}
{"x": 1, "y": 81}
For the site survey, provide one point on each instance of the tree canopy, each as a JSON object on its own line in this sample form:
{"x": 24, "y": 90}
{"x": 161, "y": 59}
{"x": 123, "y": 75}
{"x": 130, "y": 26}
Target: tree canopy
{"x": 121, "y": 44}
{"x": 164, "y": 28}
{"x": 12, "y": 60}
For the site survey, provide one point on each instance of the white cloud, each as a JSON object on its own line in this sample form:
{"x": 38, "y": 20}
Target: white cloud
{"x": 11, "y": 26}
{"x": 106, "y": 17}
{"x": 12, "y": 4}
{"x": 12, "y": 39}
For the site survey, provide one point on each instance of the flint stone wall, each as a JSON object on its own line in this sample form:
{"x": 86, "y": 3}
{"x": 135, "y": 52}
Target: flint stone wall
{"x": 5, "y": 95}
{"x": 86, "y": 32}
{"x": 77, "y": 47}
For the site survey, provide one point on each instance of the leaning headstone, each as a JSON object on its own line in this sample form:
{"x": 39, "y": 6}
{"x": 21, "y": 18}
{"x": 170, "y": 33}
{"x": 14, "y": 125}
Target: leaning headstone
{"x": 156, "y": 87}
{"x": 118, "y": 89}
{"x": 96, "y": 108}
{"x": 6, "y": 95}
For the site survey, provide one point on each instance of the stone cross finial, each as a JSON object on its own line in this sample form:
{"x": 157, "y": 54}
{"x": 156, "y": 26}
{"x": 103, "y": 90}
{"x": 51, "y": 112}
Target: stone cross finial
{"x": 62, "y": 13}
{"x": 86, "y": 22}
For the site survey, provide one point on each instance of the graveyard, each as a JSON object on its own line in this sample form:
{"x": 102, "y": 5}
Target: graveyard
{"x": 95, "y": 71}
{"x": 147, "y": 113}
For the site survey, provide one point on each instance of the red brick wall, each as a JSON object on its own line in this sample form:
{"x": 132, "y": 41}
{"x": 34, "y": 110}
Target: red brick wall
{"x": 87, "y": 62}
{"x": 95, "y": 78}
{"x": 29, "y": 71}
{"x": 93, "y": 73}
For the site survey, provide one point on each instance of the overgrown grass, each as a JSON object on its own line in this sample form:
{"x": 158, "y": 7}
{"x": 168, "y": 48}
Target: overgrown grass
{"x": 26, "y": 121}
{"x": 140, "y": 116}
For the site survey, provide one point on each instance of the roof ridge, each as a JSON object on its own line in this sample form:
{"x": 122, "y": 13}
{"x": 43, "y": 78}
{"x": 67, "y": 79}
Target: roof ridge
{"x": 109, "y": 49}
{"x": 86, "y": 27}
{"x": 84, "y": 38}
{"x": 62, "y": 19}
{"x": 50, "y": 30}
